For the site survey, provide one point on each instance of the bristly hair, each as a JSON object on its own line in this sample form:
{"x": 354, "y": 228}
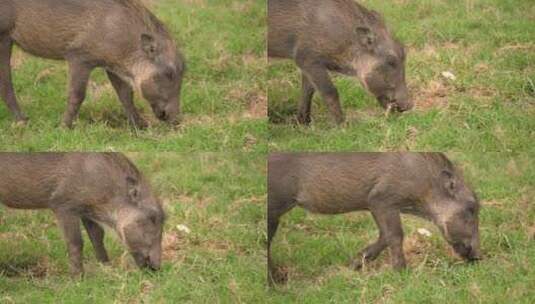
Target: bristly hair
{"x": 440, "y": 159}
{"x": 122, "y": 161}
{"x": 140, "y": 11}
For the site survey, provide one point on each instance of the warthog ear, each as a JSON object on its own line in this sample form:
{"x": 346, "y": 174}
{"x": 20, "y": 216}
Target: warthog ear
{"x": 449, "y": 182}
{"x": 366, "y": 37}
{"x": 132, "y": 186}
{"x": 149, "y": 45}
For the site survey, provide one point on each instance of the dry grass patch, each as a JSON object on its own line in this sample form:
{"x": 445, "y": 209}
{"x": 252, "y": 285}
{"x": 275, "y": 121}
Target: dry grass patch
{"x": 18, "y": 58}
{"x": 433, "y": 94}
{"x": 173, "y": 244}
{"x": 34, "y": 267}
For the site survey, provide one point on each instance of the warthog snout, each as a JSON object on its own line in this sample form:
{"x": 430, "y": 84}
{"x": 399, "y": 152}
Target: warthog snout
{"x": 467, "y": 252}
{"x": 162, "y": 114}
{"x": 146, "y": 262}
{"x": 398, "y": 101}
{"x": 167, "y": 112}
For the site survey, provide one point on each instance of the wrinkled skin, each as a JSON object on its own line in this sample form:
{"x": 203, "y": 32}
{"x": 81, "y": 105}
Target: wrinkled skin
{"x": 461, "y": 225}
{"x": 386, "y": 184}
{"x": 97, "y": 189}
{"x": 339, "y": 36}
{"x": 162, "y": 86}
{"x": 121, "y": 36}
{"x": 142, "y": 229}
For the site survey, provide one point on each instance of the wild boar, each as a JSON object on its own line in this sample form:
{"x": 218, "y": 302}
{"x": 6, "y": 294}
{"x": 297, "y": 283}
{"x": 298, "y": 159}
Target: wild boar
{"x": 98, "y": 189}
{"x": 423, "y": 184}
{"x": 339, "y": 36}
{"x": 121, "y": 36}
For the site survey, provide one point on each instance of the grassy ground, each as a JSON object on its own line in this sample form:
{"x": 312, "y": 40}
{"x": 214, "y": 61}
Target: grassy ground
{"x": 487, "y": 44}
{"x": 315, "y": 250}
{"x": 220, "y": 197}
{"x": 223, "y": 97}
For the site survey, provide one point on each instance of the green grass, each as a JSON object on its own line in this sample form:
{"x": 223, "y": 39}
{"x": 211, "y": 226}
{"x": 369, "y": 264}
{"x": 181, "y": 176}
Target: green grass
{"x": 316, "y": 250}
{"x": 487, "y": 44}
{"x": 219, "y": 196}
{"x": 223, "y": 96}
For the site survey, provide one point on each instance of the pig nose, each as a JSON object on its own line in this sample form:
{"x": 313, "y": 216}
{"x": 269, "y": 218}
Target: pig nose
{"x": 475, "y": 255}
{"x": 469, "y": 249}
{"x": 405, "y": 106}
{"x": 152, "y": 266}
{"x": 162, "y": 114}
{"x": 472, "y": 254}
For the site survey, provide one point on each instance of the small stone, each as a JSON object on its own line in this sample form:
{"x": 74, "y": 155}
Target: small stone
{"x": 448, "y": 75}
{"x": 183, "y": 228}
{"x": 424, "y": 232}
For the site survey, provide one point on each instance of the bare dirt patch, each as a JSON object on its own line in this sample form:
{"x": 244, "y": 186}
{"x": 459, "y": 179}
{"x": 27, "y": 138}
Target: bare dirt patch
{"x": 524, "y": 47}
{"x": 197, "y": 201}
{"x": 431, "y": 95}
{"x": 482, "y": 92}
{"x": 34, "y": 267}
{"x": 416, "y": 248}
{"x": 219, "y": 247}
{"x": 254, "y": 99}
{"x": 172, "y": 243}
{"x": 280, "y": 274}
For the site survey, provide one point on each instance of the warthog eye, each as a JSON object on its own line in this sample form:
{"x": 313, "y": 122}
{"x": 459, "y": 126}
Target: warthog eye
{"x": 392, "y": 61}
{"x": 170, "y": 75}
{"x": 471, "y": 210}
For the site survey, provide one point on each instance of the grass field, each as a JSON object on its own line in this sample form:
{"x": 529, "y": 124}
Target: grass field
{"x": 223, "y": 97}
{"x": 489, "y": 47}
{"x": 211, "y": 170}
{"x": 315, "y": 250}
{"x": 220, "y": 197}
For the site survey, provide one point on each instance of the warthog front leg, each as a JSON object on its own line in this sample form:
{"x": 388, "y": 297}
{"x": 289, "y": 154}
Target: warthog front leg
{"x": 78, "y": 78}
{"x": 96, "y": 235}
{"x": 70, "y": 226}
{"x": 6, "y": 83}
{"x": 319, "y": 77}
{"x": 126, "y": 96}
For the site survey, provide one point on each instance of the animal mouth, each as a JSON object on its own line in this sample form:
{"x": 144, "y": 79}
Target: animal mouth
{"x": 466, "y": 252}
{"x": 166, "y": 116}
{"x": 392, "y": 104}
{"x": 162, "y": 115}
{"x": 144, "y": 262}
{"x": 389, "y": 104}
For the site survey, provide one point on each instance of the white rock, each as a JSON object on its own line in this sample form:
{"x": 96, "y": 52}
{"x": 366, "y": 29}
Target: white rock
{"x": 183, "y": 228}
{"x": 424, "y": 232}
{"x": 448, "y": 75}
